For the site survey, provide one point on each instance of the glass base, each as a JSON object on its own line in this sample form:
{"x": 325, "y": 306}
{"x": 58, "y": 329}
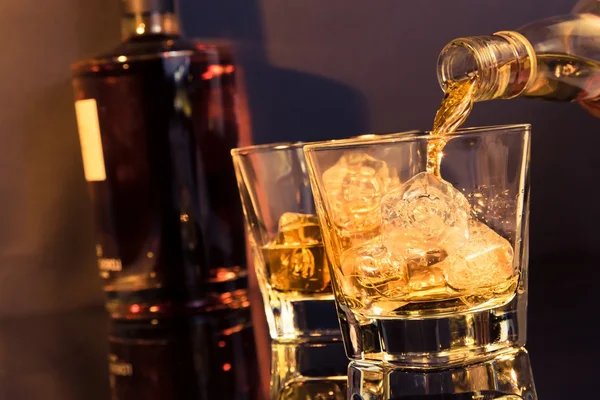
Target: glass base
{"x": 506, "y": 375}
{"x": 435, "y": 342}
{"x": 297, "y": 319}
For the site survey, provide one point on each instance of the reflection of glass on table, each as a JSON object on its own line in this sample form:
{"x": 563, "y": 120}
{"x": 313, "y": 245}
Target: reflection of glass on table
{"x": 311, "y": 370}
{"x": 428, "y": 271}
{"x": 506, "y": 376}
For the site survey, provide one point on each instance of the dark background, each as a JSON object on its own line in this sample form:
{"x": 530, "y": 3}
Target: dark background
{"x": 313, "y": 70}
{"x": 319, "y": 70}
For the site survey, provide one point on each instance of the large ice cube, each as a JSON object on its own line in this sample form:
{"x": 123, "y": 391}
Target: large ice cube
{"x": 425, "y": 214}
{"x": 424, "y": 273}
{"x": 374, "y": 271}
{"x": 354, "y": 186}
{"x": 485, "y": 260}
{"x": 296, "y": 229}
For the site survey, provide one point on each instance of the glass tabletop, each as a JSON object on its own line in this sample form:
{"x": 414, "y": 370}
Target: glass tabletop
{"x": 81, "y": 355}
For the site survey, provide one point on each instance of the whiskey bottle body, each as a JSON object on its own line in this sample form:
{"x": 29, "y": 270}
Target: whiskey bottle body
{"x": 157, "y": 118}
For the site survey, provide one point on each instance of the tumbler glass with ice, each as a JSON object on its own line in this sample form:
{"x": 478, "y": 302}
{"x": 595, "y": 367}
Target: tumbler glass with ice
{"x": 287, "y": 247}
{"x": 427, "y": 270}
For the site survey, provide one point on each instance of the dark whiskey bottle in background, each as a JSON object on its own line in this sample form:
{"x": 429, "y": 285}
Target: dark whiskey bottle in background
{"x": 157, "y": 117}
{"x": 210, "y": 356}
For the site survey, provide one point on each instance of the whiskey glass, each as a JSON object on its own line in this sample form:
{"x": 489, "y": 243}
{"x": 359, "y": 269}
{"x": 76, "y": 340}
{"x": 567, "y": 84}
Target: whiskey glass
{"x": 285, "y": 238}
{"x": 427, "y": 271}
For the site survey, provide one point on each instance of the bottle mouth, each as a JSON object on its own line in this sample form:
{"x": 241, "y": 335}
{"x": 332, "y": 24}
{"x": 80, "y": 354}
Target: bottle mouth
{"x": 503, "y": 64}
{"x": 456, "y": 62}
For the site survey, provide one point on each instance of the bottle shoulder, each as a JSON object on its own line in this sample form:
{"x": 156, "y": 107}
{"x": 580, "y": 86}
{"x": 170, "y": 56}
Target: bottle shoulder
{"x": 587, "y": 6}
{"x": 563, "y": 32}
{"x": 155, "y": 47}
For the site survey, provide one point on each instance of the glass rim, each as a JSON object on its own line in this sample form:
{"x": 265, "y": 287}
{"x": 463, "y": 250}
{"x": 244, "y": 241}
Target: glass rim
{"x": 423, "y": 135}
{"x": 260, "y": 148}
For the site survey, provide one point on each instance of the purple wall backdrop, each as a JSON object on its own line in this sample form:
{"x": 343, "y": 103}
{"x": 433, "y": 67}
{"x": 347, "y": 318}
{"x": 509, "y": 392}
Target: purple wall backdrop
{"x": 318, "y": 70}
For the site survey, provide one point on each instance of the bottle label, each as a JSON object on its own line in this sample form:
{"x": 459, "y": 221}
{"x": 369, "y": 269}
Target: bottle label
{"x": 110, "y": 264}
{"x": 119, "y": 368}
{"x": 89, "y": 137}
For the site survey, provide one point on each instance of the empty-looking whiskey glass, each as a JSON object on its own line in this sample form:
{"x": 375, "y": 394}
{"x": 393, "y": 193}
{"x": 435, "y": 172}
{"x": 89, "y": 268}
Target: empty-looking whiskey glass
{"x": 429, "y": 267}
{"x": 285, "y": 238}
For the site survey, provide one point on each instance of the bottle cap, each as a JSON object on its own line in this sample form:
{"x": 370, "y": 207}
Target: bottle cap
{"x": 147, "y": 6}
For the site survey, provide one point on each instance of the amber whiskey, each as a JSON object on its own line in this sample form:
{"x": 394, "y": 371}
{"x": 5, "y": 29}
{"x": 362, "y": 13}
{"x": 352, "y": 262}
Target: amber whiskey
{"x": 295, "y": 261}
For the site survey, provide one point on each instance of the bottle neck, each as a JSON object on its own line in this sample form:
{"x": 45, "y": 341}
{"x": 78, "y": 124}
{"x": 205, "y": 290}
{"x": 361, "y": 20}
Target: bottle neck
{"x": 149, "y": 24}
{"x": 148, "y": 17}
{"x": 504, "y": 64}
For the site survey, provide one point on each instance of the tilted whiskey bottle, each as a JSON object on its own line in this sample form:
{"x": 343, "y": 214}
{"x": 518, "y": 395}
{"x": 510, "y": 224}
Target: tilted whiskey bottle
{"x": 157, "y": 117}
{"x": 557, "y": 58}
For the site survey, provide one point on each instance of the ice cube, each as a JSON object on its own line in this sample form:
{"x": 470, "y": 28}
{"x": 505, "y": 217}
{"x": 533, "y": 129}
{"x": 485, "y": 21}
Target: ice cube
{"x": 302, "y": 263}
{"x": 354, "y": 186}
{"x": 424, "y": 214}
{"x": 427, "y": 279}
{"x": 485, "y": 260}
{"x": 423, "y": 272}
{"x": 296, "y": 228}
{"x": 374, "y": 271}
{"x": 296, "y": 267}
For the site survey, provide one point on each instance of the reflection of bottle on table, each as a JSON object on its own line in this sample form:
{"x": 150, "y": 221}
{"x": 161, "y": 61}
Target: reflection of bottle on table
{"x": 157, "y": 117}
{"x": 203, "y": 357}
{"x": 555, "y": 59}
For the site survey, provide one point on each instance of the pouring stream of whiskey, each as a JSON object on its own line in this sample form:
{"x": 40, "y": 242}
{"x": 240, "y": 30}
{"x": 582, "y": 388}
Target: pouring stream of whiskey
{"x": 454, "y": 110}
